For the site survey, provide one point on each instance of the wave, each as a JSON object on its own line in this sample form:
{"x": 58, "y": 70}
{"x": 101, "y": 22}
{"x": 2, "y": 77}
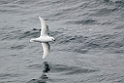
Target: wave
{"x": 70, "y": 70}
{"x": 60, "y": 69}
{"x": 107, "y": 42}
{"x": 112, "y": 42}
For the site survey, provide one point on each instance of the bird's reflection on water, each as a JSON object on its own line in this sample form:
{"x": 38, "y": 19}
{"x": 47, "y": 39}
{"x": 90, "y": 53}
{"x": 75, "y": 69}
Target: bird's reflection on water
{"x": 46, "y": 70}
{"x": 46, "y": 67}
{"x": 43, "y": 77}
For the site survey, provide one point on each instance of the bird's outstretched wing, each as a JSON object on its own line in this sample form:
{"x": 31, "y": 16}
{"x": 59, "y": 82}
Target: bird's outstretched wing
{"x": 44, "y": 27}
{"x": 46, "y": 48}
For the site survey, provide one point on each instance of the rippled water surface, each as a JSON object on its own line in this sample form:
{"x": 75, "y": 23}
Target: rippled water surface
{"x": 89, "y": 45}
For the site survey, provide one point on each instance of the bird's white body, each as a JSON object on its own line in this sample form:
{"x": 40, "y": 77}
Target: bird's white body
{"x": 44, "y": 38}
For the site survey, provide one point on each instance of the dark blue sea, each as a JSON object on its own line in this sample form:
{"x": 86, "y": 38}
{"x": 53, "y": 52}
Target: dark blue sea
{"x": 89, "y": 46}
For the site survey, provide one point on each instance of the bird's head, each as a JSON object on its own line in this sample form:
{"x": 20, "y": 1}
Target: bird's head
{"x": 52, "y": 39}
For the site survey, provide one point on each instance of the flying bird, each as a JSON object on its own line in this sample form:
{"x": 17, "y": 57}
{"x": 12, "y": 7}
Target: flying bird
{"x": 44, "y": 39}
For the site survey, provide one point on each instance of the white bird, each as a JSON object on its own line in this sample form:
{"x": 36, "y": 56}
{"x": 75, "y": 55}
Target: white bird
{"x": 44, "y": 39}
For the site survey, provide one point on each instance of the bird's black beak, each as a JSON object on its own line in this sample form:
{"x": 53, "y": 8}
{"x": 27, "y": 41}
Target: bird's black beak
{"x": 54, "y": 40}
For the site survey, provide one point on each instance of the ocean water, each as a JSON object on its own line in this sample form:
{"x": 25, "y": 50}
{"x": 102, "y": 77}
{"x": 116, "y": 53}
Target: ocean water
{"x": 89, "y": 45}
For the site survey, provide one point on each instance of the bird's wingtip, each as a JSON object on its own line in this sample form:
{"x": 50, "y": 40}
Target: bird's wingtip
{"x": 39, "y": 17}
{"x": 43, "y": 57}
